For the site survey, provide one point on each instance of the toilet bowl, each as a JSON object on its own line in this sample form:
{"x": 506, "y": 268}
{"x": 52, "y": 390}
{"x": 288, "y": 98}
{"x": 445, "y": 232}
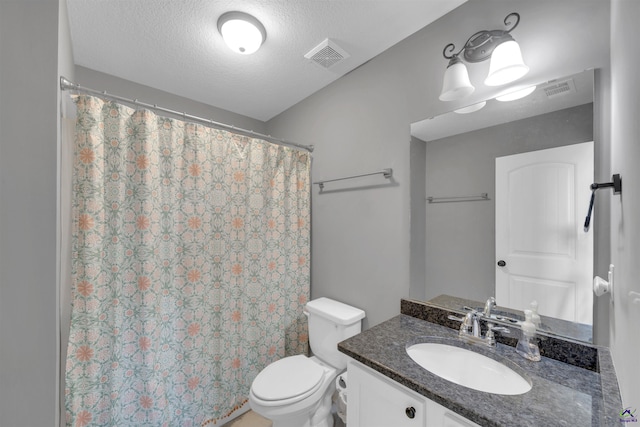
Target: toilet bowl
{"x": 296, "y": 391}
{"x": 290, "y": 390}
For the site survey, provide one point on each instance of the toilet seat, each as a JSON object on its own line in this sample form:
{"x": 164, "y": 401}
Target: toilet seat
{"x": 288, "y": 380}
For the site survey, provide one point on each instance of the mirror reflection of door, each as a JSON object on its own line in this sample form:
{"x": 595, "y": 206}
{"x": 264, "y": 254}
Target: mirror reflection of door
{"x": 542, "y": 251}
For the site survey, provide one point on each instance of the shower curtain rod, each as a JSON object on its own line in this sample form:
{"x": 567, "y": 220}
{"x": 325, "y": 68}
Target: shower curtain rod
{"x": 66, "y": 84}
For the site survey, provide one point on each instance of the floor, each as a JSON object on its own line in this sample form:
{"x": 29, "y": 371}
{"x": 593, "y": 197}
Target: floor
{"x": 251, "y": 419}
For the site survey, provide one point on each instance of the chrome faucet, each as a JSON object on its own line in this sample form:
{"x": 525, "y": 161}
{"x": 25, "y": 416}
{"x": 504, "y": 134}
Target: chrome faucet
{"x": 470, "y": 324}
{"x": 488, "y": 306}
{"x": 470, "y": 330}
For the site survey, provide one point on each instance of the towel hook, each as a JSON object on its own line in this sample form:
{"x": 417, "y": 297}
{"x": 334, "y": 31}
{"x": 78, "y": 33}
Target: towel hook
{"x": 616, "y": 184}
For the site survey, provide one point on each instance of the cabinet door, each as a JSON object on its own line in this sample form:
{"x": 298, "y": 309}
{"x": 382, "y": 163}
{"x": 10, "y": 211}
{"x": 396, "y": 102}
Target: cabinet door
{"x": 376, "y": 401}
{"x": 439, "y": 416}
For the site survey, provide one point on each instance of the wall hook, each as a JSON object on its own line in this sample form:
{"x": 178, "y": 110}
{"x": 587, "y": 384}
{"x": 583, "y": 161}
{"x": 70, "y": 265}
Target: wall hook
{"x": 616, "y": 184}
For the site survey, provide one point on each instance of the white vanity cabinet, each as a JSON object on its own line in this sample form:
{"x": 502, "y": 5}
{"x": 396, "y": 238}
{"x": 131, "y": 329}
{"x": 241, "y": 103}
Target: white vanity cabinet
{"x": 374, "y": 400}
{"x": 439, "y": 416}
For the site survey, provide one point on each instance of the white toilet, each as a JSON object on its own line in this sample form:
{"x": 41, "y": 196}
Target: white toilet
{"x": 296, "y": 391}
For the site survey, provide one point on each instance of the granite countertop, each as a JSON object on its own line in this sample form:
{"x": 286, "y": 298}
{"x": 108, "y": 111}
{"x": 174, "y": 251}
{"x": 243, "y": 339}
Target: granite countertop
{"x": 561, "y": 395}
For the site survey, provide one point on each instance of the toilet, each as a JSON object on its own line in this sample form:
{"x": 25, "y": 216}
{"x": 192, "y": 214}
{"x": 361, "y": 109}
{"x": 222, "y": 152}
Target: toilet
{"x": 296, "y": 391}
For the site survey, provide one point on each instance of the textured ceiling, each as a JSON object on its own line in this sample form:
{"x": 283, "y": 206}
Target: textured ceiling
{"x": 174, "y": 45}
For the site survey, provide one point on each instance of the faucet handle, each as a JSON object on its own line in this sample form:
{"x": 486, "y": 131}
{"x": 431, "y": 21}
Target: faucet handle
{"x": 470, "y": 320}
{"x": 491, "y": 329}
{"x": 470, "y": 324}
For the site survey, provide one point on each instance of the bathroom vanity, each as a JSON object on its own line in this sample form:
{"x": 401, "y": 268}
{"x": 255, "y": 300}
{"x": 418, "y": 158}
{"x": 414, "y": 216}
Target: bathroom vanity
{"x": 573, "y": 384}
{"x": 376, "y": 400}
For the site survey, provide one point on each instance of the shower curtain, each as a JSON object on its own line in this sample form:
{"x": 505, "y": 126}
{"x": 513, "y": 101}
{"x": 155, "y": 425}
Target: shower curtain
{"x": 190, "y": 267}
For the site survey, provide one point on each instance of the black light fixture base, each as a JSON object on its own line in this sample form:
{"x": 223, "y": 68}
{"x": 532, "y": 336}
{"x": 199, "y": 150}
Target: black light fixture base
{"x": 480, "y": 45}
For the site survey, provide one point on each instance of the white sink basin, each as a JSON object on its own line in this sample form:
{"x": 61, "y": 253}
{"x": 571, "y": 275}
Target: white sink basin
{"x": 468, "y": 368}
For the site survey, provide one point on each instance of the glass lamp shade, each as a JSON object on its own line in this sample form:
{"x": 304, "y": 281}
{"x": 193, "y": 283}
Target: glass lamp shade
{"x": 456, "y": 84}
{"x": 471, "y": 108}
{"x": 506, "y": 64}
{"x": 241, "y": 32}
{"x": 518, "y": 94}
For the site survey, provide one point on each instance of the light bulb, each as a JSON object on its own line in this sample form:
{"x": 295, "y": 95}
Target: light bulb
{"x": 506, "y": 64}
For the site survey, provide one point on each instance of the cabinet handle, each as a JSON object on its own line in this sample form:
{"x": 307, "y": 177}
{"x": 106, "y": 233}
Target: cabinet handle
{"x": 501, "y": 263}
{"x": 411, "y": 412}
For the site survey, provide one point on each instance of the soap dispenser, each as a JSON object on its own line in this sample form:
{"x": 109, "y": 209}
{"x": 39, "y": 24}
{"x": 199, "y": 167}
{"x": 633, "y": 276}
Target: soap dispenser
{"x": 535, "y": 317}
{"x": 526, "y": 347}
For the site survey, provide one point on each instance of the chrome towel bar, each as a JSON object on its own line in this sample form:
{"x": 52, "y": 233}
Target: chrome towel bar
{"x": 388, "y": 173}
{"x": 482, "y": 196}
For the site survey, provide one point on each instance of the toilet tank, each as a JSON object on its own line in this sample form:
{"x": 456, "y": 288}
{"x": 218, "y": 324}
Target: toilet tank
{"x": 330, "y": 322}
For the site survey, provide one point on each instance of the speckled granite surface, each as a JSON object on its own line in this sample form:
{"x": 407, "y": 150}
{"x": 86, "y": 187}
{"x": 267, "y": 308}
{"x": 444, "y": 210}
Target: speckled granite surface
{"x": 561, "y": 394}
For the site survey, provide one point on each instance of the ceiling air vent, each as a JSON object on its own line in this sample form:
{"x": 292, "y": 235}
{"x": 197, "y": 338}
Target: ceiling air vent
{"x": 326, "y": 54}
{"x": 559, "y": 88}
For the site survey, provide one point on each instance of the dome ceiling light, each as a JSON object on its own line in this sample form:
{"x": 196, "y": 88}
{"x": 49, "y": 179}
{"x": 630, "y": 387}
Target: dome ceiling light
{"x": 505, "y": 67}
{"x": 242, "y": 32}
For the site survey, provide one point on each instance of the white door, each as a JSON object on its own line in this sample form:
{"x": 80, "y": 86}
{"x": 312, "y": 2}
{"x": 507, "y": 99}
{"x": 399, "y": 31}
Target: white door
{"x": 542, "y": 250}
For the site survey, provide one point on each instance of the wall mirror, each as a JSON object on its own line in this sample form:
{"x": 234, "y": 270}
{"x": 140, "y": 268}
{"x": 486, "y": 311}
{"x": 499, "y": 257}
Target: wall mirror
{"x": 459, "y": 170}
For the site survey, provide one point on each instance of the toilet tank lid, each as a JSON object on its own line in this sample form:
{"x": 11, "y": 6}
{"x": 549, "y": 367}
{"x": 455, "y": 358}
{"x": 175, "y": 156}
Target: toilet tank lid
{"x": 338, "y": 312}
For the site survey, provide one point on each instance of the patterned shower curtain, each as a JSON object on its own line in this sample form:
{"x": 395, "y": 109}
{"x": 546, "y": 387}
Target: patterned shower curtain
{"x": 190, "y": 267}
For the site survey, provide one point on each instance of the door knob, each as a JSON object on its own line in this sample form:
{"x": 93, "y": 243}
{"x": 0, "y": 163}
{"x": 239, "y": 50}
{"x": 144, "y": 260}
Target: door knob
{"x": 411, "y": 412}
{"x": 501, "y": 263}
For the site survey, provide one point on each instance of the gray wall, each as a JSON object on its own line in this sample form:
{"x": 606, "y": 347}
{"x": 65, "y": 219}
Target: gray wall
{"x": 65, "y": 165}
{"x": 128, "y": 89}
{"x": 418, "y": 212}
{"x": 360, "y": 235}
{"x": 601, "y": 210}
{"x": 625, "y": 209}
{"x": 360, "y": 122}
{"x": 34, "y": 49}
{"x": 460, "y": 236}
{"x": 361, "y": 239}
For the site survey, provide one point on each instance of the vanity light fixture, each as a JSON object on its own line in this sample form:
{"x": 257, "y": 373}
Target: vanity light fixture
{"x": 471, "y": 108}
{"x": 505, "y": 67}
{"x": 516, "y": 94}
{"x": 242, "y": 32}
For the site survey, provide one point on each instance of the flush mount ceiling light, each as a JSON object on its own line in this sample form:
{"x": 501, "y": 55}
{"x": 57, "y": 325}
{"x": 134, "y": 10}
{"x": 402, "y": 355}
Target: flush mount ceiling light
{"x": 506, "y": 60}
{"x": 242, "y": 32}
